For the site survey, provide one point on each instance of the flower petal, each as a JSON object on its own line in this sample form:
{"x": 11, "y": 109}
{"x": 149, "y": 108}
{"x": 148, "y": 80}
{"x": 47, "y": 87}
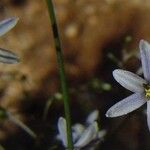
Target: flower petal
{"x": 87, "y": 136}
{"x": 145, "y": 58}
{"x": 77, "y": 130}
{"x": 129, "y": 80}
{"x": 7, "y": 25}
{"x": 93, "y": 116}
{"x": 63, "y": 130}
{"x": 148, "y": 114}
{"x": 8, "y": 57}
{"x": 127, "y": 105}
{"x": 101, "y": 134}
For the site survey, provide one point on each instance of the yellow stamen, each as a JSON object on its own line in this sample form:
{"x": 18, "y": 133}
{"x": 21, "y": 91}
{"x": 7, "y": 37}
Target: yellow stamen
{"x": 147, "y": 90}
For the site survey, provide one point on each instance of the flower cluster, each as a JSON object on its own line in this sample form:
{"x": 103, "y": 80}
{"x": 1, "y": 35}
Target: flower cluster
{"x": 84, "y": 137}
{"x": 139, "y": 86}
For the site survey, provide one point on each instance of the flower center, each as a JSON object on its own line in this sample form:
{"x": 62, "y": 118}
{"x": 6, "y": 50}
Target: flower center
{"x": 147, "y": 90}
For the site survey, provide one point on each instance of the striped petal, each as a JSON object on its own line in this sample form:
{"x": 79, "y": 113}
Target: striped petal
{"x": 7, "y": 25}
{"x": 129, "y": 80}
{"x": 148, "y": 114}
{"x": 145, "y": 58}
{"x": 127, "y": 105}
{"x": 8, "y": 57}
{"x": 63, "y": 130}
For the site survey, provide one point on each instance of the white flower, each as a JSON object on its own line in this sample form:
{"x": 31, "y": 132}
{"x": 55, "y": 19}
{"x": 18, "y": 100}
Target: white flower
{"x": 136, "y": 84}
{"x": 83, "y": 136}
{"x": 93, "y": 116}
{"x": 5, "y": 55}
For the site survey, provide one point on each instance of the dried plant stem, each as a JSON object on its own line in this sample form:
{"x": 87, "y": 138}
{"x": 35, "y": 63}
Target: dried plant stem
{"x": 61, "y": 71}
{"x": 21, "y": 124}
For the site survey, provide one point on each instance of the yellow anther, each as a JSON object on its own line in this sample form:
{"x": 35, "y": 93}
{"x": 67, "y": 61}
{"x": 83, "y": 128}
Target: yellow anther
{"x": 147, "y": 90}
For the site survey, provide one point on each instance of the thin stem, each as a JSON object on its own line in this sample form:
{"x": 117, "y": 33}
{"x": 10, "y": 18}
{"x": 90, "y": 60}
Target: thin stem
{"x": 47, "y": 106}
{"x": 21, "y": 124}
{"x": 61, "y": 71}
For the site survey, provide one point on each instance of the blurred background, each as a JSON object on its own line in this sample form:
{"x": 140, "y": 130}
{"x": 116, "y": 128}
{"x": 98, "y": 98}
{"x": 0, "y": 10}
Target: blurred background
{"x": 97, "y": 36}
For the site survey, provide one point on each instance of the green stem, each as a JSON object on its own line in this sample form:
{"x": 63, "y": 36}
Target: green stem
{"x": 61, "y": 71}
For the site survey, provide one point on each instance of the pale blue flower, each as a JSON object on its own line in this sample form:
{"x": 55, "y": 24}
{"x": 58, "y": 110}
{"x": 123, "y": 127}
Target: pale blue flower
{"x": 136, "y": 84}
{"x": 83, "y": 136}
{"x": 5, "y": 55}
